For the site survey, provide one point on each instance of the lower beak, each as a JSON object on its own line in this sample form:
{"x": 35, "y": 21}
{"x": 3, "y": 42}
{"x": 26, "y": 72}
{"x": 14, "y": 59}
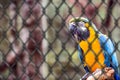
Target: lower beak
{"x": 76, "y": 38}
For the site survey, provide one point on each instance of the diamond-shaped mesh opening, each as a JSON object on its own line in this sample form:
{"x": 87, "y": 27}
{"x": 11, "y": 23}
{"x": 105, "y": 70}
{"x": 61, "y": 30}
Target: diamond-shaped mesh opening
{"x": 36, "y": 44}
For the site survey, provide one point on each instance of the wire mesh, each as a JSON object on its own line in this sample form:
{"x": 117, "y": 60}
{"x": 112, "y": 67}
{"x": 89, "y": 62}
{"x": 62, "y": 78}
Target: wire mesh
{"x": 35, "y": 43}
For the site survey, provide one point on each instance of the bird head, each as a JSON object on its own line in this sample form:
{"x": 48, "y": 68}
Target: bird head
{"x": 78, "y": 27}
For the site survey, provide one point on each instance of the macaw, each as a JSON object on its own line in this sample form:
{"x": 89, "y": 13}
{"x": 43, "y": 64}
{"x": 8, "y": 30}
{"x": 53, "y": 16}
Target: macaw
{"x": 96, "y": 50}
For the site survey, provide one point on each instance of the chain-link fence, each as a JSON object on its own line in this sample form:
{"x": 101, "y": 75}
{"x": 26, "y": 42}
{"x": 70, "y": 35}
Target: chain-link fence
{"x": 35, "y": 43}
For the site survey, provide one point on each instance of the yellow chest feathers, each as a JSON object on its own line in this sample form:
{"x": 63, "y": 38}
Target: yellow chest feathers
{"x": 92, "y": 52}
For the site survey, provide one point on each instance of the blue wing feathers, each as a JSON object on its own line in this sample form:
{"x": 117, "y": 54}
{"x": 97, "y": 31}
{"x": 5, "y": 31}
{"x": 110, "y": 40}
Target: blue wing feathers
{"x": 109, "y": 51}
{"x": 80, "y": 54}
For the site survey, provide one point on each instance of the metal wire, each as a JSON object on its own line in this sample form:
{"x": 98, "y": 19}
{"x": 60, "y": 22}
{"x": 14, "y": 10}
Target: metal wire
{"x": 35, "y": 43}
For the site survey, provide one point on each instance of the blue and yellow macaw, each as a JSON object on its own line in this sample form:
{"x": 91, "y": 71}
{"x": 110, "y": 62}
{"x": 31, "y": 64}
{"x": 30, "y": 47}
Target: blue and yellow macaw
{"x": 96, "y": 50}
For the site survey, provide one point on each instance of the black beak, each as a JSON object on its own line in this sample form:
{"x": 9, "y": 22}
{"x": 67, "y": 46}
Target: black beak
{"x": 79, "y": 32}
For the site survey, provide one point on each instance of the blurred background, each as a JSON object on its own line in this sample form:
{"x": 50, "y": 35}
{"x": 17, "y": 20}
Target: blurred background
{"x": 35, "y": 43}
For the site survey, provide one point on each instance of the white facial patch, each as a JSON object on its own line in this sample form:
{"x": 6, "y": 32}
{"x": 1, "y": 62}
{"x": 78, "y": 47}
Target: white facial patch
{"x": 83, "y": 28}
{"x": 81, "y": 23}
